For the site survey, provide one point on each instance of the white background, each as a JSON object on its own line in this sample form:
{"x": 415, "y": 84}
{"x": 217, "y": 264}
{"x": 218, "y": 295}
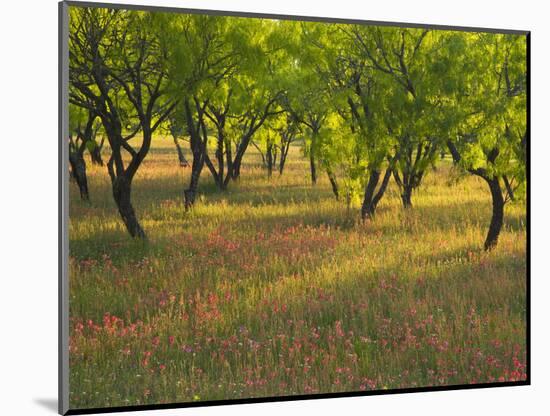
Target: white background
{"x": 28, "y": 204}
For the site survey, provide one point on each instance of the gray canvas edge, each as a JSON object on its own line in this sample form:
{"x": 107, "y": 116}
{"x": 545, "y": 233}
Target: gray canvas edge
{"x": 63, "y": 204}
{"x": 290, "y": 17}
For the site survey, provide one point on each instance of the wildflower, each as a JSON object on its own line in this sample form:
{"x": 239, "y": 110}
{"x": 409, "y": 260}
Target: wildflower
{"x": 338, "y": 327}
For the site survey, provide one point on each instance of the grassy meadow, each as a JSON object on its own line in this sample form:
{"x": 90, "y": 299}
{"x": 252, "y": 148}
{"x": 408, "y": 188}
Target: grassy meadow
{"x": 274, "y": 288}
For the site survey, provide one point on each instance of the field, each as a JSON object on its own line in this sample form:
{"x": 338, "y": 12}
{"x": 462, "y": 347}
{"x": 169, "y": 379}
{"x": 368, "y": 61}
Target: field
{"x": 274, "y": 288}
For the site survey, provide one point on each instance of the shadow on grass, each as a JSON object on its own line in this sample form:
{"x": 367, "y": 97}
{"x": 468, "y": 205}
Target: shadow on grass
{"x": 452, "y": 217}
{"x": 118, "y": 246}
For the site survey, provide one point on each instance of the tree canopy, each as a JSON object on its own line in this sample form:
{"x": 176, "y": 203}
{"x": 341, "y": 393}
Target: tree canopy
{"x": 366, "y": 103}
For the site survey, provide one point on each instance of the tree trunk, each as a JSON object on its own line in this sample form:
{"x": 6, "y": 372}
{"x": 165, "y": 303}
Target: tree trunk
{"x": 498, "y": 214}
{"x": 497, "y": 217}
{"x": 229, "y": 160}
{"x": 509, "y": 189}
{"x": 333, "y": 183}
{"x": 406, "y": 197}
{"x": 121, "y": 193}
{"x": 78, "y": 171}
{"x": 191, "y": 192}
{"x": 282, "y": 159}
{"x": 236, "y": 171}
{"x": 275, "y": 154}
{"x": 95, "y": 156}
{"x": 181, "y": 156}
{"x": 219, "y": 157}
{"x": 269, "y": 160}
{"x": 312, "y": 168}
{"x": 239, "y": 154}
{"x": 368, "y": 207}
{"x": 372, "y": 198}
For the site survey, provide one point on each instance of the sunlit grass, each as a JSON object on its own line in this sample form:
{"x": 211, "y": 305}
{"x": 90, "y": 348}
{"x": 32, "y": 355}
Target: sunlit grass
{"x": 274, "y": 288}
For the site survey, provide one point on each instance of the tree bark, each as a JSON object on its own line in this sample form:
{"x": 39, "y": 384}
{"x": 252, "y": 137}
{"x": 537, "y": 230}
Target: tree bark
{"x": 312, "y": 168}
{"x": 191, "y": 192}
{"x": 219, "y": 156}
{"x": 122, "y": 195}
{"x": 333, "y": 183}
{"x": 497, "y": 217}
{"x": 181, "y": 157}
{"x": 282, "y": 159}
{"x": 236, "y": 171}
{"x": 373, "y": 197}
{"x": 498, "y": 202}
{"x": 196, "y": 168}
{"x": 406, "y": 197}
{"x": 78, "y": 170}
{"x": 229, "y": 160}
{"x": 269, "y": 160}
{"x": 95, "y": 156}
{"x": 368, "y": 207}
{"x": 509, "y": 189}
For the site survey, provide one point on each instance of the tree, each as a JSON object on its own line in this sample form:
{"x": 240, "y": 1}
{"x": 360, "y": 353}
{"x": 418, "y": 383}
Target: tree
{"x": 234, "y": 131}
{"x": 203, "y": 57}
{"x": 412, "y": 63}
{"x": 274, "y": 139}
{"x": 194, "y": 115}
{"x": 83, "y": 139}
{"x": 241, "y": 98}
{"x": 177, "y": 130}
{"x": 117, "y": 67}
{"x": 288, "y": 132}
{"x": 358, "y": 95}
{"x": 490, "y": 138}
{"x": 306, "y": 98}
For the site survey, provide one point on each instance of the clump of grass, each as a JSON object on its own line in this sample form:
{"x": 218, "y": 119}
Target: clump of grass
{"x": 273, "y": 288}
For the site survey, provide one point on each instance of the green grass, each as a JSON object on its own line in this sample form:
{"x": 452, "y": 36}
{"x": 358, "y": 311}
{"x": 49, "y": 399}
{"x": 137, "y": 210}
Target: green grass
{"x": 274, "y": 288}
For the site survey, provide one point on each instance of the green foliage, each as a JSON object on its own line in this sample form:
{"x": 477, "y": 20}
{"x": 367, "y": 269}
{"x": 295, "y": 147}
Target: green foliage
{"x": 363, "y": 97}
{"x": 490, "y": 108}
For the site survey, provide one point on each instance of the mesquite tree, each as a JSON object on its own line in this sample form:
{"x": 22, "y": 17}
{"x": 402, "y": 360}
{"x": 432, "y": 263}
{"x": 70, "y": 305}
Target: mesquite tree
{"x": 198, "y": 139}
{"x": 235, "y": 131}
{"x": 274, "y": 139}
{"x": 118, "y": 70}
{"x": 82, "y": 133}
{"x": 205, "y": 54}
{"x": 359, "y": 95}
{"x": 490, "y": 138}
{"x": 350, "y": 93}
{"x": 306, "y": 100}
{"x": 288, "y": 131}
{"x": 243, "y": 94}
{"x": 176, "y": 129}
{"x": 412, "y": 64}
{"x": 266, "y": 142}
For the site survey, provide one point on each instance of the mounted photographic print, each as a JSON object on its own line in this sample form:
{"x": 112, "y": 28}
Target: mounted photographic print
{"x": 261, "y": 208}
